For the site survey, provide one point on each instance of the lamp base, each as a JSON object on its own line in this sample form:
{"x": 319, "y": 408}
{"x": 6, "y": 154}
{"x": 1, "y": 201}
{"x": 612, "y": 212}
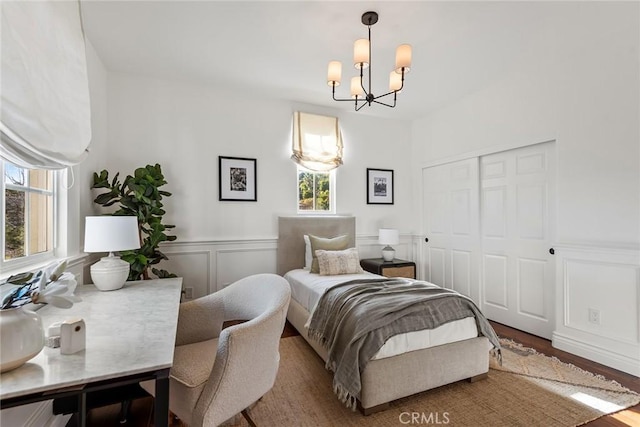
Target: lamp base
{"x": 109, "y": 273}
{"x": 388, "y": 253}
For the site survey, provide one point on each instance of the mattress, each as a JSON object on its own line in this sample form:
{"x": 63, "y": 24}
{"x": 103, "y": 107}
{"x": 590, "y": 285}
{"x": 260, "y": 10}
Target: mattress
{"x": 307, "y": 288}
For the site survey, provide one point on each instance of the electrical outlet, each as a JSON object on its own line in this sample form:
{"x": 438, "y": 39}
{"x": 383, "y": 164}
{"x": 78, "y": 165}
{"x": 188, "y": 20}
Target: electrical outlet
{"x": 188, "y": 293}
{"x": 594, "y": 316}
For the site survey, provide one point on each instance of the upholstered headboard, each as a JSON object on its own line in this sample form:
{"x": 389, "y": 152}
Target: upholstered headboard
{"x": 292, "y": 228}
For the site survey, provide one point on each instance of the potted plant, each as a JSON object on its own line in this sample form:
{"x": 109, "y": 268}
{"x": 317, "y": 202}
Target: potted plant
{"x": 139, "y": 195}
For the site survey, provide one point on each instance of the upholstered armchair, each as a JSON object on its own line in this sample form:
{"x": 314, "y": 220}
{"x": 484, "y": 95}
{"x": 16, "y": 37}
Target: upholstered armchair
{"x": 217, "y": 373}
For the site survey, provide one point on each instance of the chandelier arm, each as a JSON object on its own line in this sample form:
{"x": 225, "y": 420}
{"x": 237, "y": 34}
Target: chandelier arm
{"x": 387, "y": 105}
{"x": 333, "y": 93}
{"x": 401, "y": 81}
{"x": 394, "y": 91}
{"x": 388, "y": 93}
{"x": 395, "y": 97}
{"x": 360, "y": 107}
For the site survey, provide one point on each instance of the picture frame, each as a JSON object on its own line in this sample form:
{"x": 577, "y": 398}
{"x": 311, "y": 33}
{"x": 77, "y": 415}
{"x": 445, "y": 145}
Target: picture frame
{"x": 379, "y": 186}
{"x": 237, "y": 179}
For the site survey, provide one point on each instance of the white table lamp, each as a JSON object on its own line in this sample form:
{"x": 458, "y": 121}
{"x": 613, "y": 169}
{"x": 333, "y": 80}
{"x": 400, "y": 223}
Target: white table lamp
{"x": 388, "y": 237}
{"x": 110, "y": 234}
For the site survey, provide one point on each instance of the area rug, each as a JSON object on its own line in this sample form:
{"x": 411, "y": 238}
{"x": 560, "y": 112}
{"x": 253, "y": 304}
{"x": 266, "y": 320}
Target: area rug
{"x": 529, "y": 389}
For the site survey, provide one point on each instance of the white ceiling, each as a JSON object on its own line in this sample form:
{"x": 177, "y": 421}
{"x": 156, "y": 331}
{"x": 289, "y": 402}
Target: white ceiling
{"x": 281, "y": 49}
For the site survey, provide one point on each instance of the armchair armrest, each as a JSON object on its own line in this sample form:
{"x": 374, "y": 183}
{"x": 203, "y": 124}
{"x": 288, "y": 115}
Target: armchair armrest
{"x": 200, "y": 320}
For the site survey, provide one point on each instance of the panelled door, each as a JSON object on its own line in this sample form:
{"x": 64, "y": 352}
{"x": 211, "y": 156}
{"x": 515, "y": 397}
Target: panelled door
{"x": 488, "y": 226}
{"x": 451, "y": 225}
{"x": 516, "y": 202}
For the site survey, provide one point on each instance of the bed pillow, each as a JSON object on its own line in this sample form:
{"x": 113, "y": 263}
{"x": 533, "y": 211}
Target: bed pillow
{"x": 334, "y": 244}
{"x": 308, "y": 258}
{"x": 332, "y": 263}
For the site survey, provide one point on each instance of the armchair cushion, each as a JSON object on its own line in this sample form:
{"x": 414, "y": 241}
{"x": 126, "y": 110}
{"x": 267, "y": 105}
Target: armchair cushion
{"x": 200, "y": 319}
{"x": 189, "y": 374}
{"x": 193, "y": 362}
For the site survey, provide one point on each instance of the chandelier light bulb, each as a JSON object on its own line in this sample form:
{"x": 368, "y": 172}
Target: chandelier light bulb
{"x": 356, "y": 87}
{"x": 395, "y": 81}
{"x": 403, "y": 58}
{"x": 361, "y": 53}
{"x": 334, "y": 73}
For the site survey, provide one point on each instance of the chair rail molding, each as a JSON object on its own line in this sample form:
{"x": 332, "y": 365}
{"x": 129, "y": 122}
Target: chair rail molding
{"x": 598, "y": 304}
{"x": 207, "y": 266}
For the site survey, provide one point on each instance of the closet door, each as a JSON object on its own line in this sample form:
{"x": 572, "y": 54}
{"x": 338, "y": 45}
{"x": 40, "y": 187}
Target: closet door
{"x": 450, "y": 222}
{"x": 516, "y": 202}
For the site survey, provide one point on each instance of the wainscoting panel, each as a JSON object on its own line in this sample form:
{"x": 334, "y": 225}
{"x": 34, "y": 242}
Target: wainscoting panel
{"x": 194, "y": 266}
{"x": 598, "y": 305}
{"x": 207, "y": 267}
{"x": 234, "y": 264}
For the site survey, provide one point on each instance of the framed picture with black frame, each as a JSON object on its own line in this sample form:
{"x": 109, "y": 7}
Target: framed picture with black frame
{"x": 379, "y": 186}
{"x": 237, "y": 179}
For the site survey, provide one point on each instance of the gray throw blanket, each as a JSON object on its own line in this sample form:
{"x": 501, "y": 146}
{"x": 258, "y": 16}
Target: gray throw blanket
{"x": 353, "y": 320}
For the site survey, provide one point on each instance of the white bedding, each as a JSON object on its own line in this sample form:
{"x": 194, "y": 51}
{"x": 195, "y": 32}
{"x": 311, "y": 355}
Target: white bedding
{"x": 306, "y": 289}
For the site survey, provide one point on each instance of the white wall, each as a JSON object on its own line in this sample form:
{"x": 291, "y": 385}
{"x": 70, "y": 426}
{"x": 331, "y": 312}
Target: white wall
{"x": 577, "y": 83}
{"x": 185, "y": 127}
{"x": 98, "y": 77}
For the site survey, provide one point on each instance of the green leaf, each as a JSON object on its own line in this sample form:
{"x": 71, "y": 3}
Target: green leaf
{"x": 139, "y": 195}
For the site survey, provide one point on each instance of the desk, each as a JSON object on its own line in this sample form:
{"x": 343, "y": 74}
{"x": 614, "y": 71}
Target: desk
{"x": 131, "y": 335}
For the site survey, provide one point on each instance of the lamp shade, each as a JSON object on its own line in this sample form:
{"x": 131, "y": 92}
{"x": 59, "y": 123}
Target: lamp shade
{"x": 395, "y": 81}
{"x": 361, "y": 53}
{"x": 111, "y": 233}
{"x": 334, "y": 73}
{"x": 403, "y": 58}
{"x": 356, "y": 87}
{"x": 388, "y": 236}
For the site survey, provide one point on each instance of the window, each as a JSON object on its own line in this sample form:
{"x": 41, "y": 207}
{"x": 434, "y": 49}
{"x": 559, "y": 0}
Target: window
{"x": 316, "y": 191}
{"x": 28, "y": 213}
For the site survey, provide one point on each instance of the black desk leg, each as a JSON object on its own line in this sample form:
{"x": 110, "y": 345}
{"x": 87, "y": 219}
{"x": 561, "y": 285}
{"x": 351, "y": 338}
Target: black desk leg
{"x": 162, "y": 399}
{"x": 82, "y": 410}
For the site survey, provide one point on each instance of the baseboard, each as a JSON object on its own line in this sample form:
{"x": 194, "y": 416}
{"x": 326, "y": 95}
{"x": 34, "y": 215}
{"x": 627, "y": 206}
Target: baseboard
{"x": 597, "y": 354}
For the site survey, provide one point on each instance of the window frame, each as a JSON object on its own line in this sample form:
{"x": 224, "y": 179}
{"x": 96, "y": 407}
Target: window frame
{"x": 332, "y": 192}
{"x": 29, "y": 261}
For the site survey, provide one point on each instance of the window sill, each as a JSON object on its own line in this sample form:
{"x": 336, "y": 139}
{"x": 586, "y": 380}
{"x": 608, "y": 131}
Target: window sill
{"x": 41, "y": 263}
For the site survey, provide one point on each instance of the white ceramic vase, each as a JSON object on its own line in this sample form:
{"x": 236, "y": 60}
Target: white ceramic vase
{"x": 21, "y": 337}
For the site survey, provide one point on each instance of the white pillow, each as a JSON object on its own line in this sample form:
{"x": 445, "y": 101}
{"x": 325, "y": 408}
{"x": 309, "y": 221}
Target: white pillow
{"x": 308, "y": 257}
{"x": 332, "y": 263}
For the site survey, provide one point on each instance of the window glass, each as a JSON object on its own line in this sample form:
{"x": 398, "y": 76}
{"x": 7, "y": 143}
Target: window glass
{"x": 315, "y": 191}
{"x": 28, "y": 211}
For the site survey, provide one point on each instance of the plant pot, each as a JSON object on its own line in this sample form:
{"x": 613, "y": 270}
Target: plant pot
{"x": 21, "y": 337}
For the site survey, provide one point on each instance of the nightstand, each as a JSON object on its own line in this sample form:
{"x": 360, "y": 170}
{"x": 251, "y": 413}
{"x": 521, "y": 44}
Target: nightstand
{"x": 395, "y": 268}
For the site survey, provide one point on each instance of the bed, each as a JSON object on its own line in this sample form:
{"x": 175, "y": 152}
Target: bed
{"x": 395, "y": 372}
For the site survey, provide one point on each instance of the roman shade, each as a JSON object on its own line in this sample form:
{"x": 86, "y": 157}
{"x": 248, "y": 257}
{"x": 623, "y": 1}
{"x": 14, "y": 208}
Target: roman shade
{"x": 317, "y": 141}
{"x": 45, "y": 114}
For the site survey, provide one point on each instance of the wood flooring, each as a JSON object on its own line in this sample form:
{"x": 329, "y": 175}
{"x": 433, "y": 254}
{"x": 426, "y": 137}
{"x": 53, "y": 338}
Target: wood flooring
{"x": 141, "y": 414}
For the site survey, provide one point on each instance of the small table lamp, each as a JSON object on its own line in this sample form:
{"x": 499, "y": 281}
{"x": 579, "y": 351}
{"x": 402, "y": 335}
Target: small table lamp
{"x": 110, "y": 234}
{"x": 388, "y": 236}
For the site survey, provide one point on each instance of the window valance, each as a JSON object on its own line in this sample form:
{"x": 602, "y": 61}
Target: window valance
{"x": 317, "y": 141}
{"x": 45, "y": 112}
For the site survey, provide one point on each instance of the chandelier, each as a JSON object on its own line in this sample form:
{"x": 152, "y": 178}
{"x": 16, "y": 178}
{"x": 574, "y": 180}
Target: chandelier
{"x": 362, "y": 60}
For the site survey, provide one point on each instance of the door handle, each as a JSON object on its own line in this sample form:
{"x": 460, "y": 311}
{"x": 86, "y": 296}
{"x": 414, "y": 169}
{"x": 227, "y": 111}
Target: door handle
{"x": 426, "y": 239}
{"x": 552, "y": 251}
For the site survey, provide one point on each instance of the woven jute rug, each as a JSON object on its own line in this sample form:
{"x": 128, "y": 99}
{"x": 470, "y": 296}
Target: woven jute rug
{"x": 529, "y": 389}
